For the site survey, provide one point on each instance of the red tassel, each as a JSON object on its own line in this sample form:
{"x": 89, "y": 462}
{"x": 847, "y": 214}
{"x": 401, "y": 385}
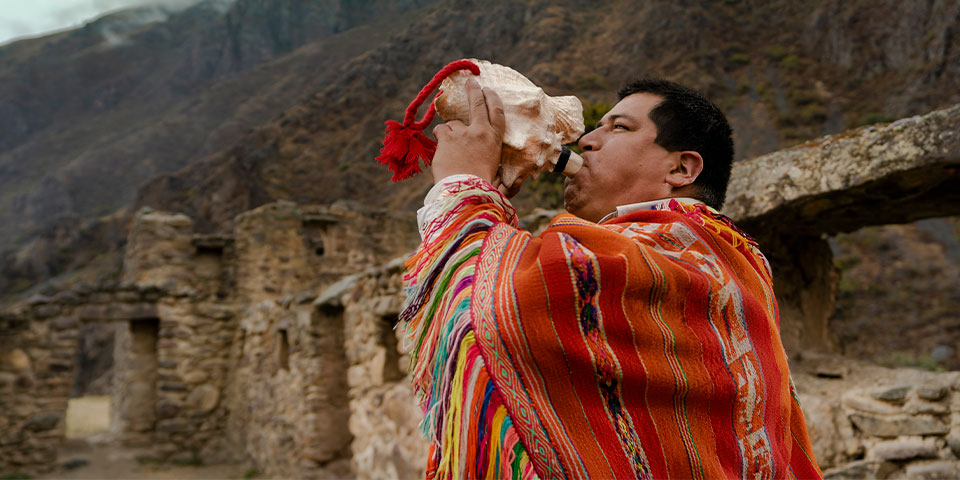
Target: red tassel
{"x": 403, "y": 148}
{"x": 405, "y": 144}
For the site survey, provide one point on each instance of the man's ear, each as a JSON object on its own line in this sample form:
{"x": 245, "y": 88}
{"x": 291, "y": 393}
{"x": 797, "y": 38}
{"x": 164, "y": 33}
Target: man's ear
{"x": 688, "y": 165}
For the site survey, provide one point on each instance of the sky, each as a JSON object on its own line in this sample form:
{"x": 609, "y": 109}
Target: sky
{"x": 29, "y": 18}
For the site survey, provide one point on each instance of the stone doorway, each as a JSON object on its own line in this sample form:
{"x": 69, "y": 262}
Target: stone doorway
{"x": 88, "y": 408}
{"x": 134, "y": 398}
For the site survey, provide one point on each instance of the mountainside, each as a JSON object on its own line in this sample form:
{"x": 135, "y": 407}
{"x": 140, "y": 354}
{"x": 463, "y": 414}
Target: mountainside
{"x": 86, "y": 116}
{"x": 89, "y": 114}
{"x": 812, "y": 72}
{"x": 903, "y": 277}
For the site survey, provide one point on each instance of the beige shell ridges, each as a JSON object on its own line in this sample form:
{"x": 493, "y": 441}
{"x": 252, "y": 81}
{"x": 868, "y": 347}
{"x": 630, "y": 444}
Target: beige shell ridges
{"x": 537, "y": 125}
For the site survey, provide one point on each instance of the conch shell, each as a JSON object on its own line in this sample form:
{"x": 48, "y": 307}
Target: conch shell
{"x": 538, "y": 125}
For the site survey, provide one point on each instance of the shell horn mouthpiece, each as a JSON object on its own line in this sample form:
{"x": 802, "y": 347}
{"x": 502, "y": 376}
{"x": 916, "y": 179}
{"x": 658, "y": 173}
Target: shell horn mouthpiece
{"x": 568, "y": 163}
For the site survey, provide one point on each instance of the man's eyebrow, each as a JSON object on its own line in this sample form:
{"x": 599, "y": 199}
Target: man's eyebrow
{"x": 614, "y": 117}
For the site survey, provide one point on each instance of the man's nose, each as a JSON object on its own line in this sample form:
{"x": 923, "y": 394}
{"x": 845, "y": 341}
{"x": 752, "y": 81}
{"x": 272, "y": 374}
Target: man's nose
{"x": 589, "y": 141}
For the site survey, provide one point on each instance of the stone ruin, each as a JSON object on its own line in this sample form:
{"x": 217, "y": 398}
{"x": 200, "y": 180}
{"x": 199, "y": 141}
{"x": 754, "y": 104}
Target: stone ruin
{"x": 223, "y": 351}
{"x": 268, "y": 346}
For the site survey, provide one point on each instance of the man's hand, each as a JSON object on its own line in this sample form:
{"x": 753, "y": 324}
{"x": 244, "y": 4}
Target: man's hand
{"x": 473, "y": 149}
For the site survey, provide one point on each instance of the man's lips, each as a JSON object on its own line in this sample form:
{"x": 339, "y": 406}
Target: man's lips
{"x": 587, "y": 157}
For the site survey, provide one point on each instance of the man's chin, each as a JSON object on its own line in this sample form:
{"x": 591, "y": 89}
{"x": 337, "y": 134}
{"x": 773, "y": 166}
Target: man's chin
{"x": 569, "y": 198}
{"x": 571, "y": 205}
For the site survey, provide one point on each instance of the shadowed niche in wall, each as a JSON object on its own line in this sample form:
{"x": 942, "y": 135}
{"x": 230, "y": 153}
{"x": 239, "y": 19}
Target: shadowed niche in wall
{"x": 93, "y": 371}
{"x": 388, "y": 339}
{"x": 283, "y": 349}
{"x": 137, "y": 408}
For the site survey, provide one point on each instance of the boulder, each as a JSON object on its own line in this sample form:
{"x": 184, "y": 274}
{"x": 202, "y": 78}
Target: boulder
{"x": 897, "y": 425}
{"x": 904, "y": 449}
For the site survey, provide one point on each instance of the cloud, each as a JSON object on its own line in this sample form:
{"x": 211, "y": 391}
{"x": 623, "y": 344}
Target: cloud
{"x": 14, "y": 26}
{"x": 144, "y": 12}
{"x": 40, "y": 17}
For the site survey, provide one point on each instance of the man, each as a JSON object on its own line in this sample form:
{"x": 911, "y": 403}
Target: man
{"x": 644, "y": 346}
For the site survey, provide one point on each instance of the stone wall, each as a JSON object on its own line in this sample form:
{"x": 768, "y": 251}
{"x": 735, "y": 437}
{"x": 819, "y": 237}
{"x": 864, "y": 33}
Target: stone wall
{"x": 287, "y": 394}
{"x": 214, "y": 359}
{"x": 172, "y": 366}
{"x": 871, "y": 422}
{"x": 32, "y": 401}
{"x": 283, "y": 248}
{"x": 40, "y": 341}
{"x": 320, "y": 389}
{"x": 384, "y": 415}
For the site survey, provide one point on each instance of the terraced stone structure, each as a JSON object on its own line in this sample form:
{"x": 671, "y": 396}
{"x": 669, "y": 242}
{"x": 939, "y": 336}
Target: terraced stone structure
{"x": 220, "y": 354}
{"x": 275, "y": 344}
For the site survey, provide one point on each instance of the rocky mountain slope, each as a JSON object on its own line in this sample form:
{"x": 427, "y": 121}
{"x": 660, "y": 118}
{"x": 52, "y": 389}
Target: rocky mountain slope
{"x": 226, "y": 106}
{"x": 806, "y": 77}
{"x": 89, "y": 114}
{"x": 897, "y": 300}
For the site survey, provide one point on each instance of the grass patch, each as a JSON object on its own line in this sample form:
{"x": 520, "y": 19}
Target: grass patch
{"x": 593, "y": 81}
{"x": 813, "y": 113}
{"x": 846, "y": 286}
{"x": 847, "y": 262}
{"x": 547, "y": 190}
{"x": 775, "y": 52}
{"x": 187, "y": 462}
{"x": 801, "y": 97}
{"x": 874, "y": 118}
{"x": 16, "y": 476}
{"x": 148, "y": 461}
{"x": 593, "y": 112}
{"x": 900, "y": 359}
{"x": 786, "y": 119}
{"x": 739, "y": 60}
{"x": 791, "y": 62}
{"x": 20, "y": 285}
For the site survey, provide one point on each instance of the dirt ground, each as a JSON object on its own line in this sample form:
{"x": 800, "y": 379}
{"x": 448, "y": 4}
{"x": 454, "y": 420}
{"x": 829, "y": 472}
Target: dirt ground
{"x": 105, "y": 461}
{"x": 88, "y": 454}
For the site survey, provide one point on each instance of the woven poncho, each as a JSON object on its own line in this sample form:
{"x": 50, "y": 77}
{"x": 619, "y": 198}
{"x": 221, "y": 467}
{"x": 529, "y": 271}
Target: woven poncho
{"x": 646, "y": 347}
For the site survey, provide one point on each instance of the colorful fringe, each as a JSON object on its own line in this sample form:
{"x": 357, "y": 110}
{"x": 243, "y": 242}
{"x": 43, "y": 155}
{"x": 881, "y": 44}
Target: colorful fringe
{"x": 471, "y": 432}
{"x": 721, "y": 225}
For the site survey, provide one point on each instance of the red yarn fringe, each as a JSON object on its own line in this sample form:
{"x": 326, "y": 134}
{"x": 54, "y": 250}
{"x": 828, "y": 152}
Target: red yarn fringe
{"x": 405, "y": 143}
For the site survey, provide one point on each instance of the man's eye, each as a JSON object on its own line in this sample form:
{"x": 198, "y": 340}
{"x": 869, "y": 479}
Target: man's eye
{"x": 622, "y": 127}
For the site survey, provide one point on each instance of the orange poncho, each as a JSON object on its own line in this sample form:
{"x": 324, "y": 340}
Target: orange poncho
{"x": 646, "y": 347}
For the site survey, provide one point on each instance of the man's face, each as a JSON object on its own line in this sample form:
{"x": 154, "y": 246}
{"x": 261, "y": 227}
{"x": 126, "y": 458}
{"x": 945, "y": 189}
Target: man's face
{"x": 621, "y": 162}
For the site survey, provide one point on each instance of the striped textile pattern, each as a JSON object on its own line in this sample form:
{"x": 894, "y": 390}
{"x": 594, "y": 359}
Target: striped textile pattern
{"x": 646, "y": 347}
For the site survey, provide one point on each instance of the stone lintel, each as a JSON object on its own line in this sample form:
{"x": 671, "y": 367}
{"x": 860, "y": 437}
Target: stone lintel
{"x": 880, "y": 174}
{"x": 331, "y": 297}
{"x": 211, "y": 241}
{"x": 117, "y": 311}
{"x": 11, "y": 324}
{"x": 321, "y": 219}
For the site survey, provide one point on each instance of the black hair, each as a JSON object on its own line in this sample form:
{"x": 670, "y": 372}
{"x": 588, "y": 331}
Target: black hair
{"x": 686, "y": 120}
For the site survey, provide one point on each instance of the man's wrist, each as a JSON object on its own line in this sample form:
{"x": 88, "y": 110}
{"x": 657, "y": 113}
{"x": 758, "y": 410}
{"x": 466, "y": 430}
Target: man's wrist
{"x": 439, "y": 185}
{"x": 436, "y": 202}
{"x": 440, "y": 173}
